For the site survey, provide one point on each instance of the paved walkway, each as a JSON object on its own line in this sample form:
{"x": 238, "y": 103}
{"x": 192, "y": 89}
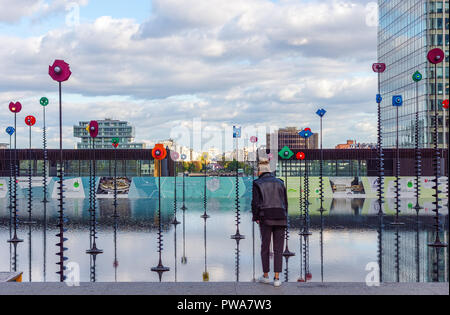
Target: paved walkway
{"x": 223, "y": 289}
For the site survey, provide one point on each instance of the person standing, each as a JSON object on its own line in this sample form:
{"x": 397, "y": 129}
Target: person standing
{"x": 270, "y": 210}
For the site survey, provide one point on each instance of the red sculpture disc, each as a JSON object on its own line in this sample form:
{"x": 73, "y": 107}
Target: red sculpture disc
{"x": 30, "y": 120}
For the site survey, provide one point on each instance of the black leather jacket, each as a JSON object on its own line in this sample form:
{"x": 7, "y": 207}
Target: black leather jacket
{"x": 269, "y": 202}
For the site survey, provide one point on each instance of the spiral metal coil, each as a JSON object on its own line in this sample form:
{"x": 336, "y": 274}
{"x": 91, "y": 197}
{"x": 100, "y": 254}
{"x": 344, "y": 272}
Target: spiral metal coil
{"x": 175, "y": 204}
{"x": 184, "y": 194}
{"x": 160, "y": 269}
{"x": 418, "y": 165}
{"x": 286, "y": 270}
{"x": 15, "y": 213}
{"x": 61, "y": 221}
{"x": 44, "y": 169}
{"x": 380, "y": 187}
{"x": 10, "y": 186}
{"x": 30, "y": 186}
{"x": 237, "y": 204}
{"x": 287, "y": 252}
{"x": 205, "y": 196}
{"x": 93, "y": 268}
{"x": 115, "y": 216}
{"x": 437, "y": 191}
{"x": 306, "y": 257}
{"x": 93, "y": 214}
{"x": 397, "y": 255}
{"x": 437, "y": 171}
{"x": 397, "y": 191}
{"x": 306, "y": 202}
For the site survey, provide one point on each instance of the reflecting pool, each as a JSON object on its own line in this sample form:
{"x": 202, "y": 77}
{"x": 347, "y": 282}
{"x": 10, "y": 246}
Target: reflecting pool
{"x": 345, "y": 240}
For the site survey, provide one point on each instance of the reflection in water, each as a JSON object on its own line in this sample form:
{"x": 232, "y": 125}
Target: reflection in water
{"x": 347, "y": 242}
{"x": 205, "y": 272}
{"x": 184, "y": 258}
{"x": 160, "y": 269}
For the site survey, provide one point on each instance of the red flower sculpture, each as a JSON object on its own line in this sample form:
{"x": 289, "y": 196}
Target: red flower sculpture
{"x": 300, "y": 156}
{"x": 445, "y": 104}
{"x": 15, "y": 107}
{"x": 60, "y": 71}
{"x": 159, "y": 152}
{"x": 30, "y": 120}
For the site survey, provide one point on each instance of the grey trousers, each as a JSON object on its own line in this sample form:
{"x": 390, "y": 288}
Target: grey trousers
{"x": 278, "y": 233}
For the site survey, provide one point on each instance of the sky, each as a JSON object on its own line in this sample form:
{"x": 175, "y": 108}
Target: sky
{"x": 163, "y": 65}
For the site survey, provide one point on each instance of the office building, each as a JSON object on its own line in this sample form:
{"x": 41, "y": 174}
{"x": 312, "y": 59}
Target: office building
{"x": 407, "y": 31}
{"x": 108, "y": 129}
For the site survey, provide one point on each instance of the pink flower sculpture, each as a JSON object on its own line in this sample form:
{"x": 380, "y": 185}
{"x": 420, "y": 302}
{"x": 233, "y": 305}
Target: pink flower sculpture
{"x": 93, "y": 128}
{"x": 15, "y": 107}
{"x": 60, "y": 71}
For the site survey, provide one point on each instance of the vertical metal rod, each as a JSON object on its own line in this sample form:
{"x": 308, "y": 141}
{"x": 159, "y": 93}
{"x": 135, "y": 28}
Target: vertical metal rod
{"x": 287, "y": 253}
{"x": 437, "y": 169}
{"x": 380, "y": 155}
{"x": 321, "y": 165}
{"x": 44, "y": 169}
{"x": 418, "y": 153}
{"x": 61, "y": 196}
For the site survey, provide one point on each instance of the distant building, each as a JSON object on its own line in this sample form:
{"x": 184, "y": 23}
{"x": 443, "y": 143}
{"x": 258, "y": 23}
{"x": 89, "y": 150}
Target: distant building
{"x": 108, "y": 129}
{"x": 290, "y": 137}
{"x": 352, "y": 144}
{"x": 4, "y": 146}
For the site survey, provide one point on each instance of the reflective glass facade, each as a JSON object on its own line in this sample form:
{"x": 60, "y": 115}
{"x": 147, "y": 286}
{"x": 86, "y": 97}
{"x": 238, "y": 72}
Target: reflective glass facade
{"x": 408, "y": 30}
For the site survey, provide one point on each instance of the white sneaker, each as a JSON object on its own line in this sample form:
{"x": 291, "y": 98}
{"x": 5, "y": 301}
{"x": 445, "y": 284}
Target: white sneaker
{"x": 264, "y": 280}
{"x": 276, "y": 283}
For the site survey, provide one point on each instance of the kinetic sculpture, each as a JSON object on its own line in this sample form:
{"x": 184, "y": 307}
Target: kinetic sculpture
{"x": 44, "y": 102}
{"x": 30, "y": 121}
{"x": 306, "y": 134}
{"x": 115, "y": 144}
{"x": 159, "y": 153}
{"x": 321, "y": 113}
{"x": 205, "y": 274}
{"x": 15, "y": 108}
{"x": 183, "y": 158}
{"x": 253, "y": 140}
{"x": 379, "y": 68}
{"x": 60, "y": 72}
{"x": 436, "y": 56}
{"x": 286, "y": 154}
{"x": 94, "y": 251}
{"x": 417, "y": 77}
{"x": 184, "y": 257}
{"x": 397, "y": 101}
{"x": 205, "y": 200}
{"x": 10, "y": 131}
{"x": 237, "y": 236}
{"x": 175, "y": 156}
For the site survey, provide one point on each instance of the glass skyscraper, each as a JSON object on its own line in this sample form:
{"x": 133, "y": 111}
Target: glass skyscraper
{"x": 107, "y": 130}
{"x": 408, "y": 29}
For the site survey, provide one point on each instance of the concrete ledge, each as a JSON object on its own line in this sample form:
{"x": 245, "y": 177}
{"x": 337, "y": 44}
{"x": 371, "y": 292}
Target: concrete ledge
{"x": 228, "y": 289}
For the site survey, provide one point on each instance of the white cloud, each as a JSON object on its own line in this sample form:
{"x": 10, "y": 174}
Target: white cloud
{"x": 243, "y": 62}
